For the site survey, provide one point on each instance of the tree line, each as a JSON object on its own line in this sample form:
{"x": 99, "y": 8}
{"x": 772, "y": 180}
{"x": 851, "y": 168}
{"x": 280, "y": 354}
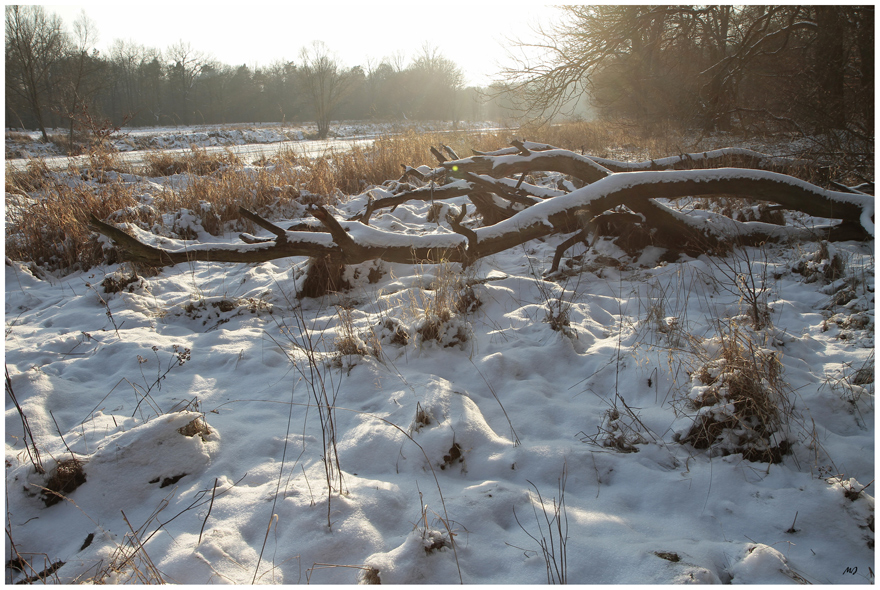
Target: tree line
{"x": 55, "y": 77}
{"x": 808, "y": 69}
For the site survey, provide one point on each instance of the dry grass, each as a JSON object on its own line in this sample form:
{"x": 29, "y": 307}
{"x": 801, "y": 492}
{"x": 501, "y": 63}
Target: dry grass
{"x": 608, "y": 139}
{"x": 353, "y": 170}
{"x": 197, "y": 162}
{"x": 63, "y": 480}
{"x": 34, "y": 177}
{"x": 47, "y": 214}
{"x": 439, "y": 307}
{"x": 51, "y": 229}
{"x": 741, "y": 400}
{"x": 349, "y": 342}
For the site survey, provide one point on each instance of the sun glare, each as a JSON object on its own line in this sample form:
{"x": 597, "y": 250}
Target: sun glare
{"x": 471, "y": 35}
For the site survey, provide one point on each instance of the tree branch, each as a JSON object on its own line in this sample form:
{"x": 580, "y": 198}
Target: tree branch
{"x": 352, "y": 243}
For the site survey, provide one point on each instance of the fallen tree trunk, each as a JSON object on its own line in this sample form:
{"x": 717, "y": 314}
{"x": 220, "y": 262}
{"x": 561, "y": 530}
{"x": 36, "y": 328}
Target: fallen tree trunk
{"x": 367, "y": 244}
{"x": 523, "y": 193}
{"x": 555, "y": 160}
{"x": 534, "y": 212}
{"x": 353, "y": 242}
{"x": 723, "y": 157}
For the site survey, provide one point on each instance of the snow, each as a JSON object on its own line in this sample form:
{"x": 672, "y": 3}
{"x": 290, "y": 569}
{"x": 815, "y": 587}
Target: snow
{"x": 27, "y": 144}
{"x": 510, "y": 159}
{"x": 764, "y": 159}
{"x": 456, "y": 434}
{"x": 366, "y": 235}
{"x": 609, "y": 185}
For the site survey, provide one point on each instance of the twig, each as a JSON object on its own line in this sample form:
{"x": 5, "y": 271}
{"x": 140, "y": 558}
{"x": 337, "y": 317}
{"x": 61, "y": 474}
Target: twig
{"x": 516, "y": 441}
{"x": 267, "y": 225}
{"x": 35, "y": 456}
{"x": 791, "y": 528}
{"x": 62, "y": 437}
{"x": 202, "y": 530}
{"x": 272, "y": 520}
{"x": 106, "y": 307}
{"x": 274, "y": 516}
{"x": 555, "y": 558}
{"x": 142, "y": 550}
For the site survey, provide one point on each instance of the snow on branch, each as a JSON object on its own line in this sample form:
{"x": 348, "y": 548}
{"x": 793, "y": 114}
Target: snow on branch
{"x": 530, "y": 216}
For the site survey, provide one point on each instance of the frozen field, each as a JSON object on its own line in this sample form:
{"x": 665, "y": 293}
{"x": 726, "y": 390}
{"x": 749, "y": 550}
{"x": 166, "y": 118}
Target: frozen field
{"x": 548, "y": 429}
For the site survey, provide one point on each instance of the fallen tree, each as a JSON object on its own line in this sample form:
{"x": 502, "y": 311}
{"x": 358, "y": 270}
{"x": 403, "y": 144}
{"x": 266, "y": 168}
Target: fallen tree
{"x": 515, "y": 212}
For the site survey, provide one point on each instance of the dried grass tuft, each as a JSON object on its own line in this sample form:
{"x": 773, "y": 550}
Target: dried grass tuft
{"x": 434, "y": 307}
{"x": 198, "y": 162}
{"x": 392, "y": 331}
{"x": 324, "y": 275}
{"x": 198, "y": 426}
{"x": 351, "y": 343}
{"x": 423, "y": 418}
{"x": 118, "y": 282}
{"x": 63, "y": 480}
{"x": 453, "y": 456}
{"x": 369, "y": 575}
{"x": 826, "y": 264}
{"x": 741, "y": 401}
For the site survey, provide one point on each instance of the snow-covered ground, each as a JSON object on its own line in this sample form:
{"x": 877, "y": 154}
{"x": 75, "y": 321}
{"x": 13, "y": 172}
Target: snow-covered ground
{"x": 197, "y": 402}
{"x": 29, "y": 144}
{"x": 134, "y": 146}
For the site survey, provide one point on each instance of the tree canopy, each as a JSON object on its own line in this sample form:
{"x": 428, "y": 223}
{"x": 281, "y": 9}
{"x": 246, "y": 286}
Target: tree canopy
{"x": 805, "y": 68}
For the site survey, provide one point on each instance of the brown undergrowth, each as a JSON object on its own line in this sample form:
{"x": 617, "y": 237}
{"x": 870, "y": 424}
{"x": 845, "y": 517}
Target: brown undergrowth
{"x": 47, "y": 211}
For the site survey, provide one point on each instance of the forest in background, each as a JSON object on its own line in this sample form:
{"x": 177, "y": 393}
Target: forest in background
{"x": 52, "y": 75}
{"x": 802, "y": 69}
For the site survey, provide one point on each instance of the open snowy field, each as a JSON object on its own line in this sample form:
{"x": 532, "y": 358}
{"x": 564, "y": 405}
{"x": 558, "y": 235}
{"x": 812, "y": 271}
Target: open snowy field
{"x": 433, "y": 426}
{"x": 252, "y": 141}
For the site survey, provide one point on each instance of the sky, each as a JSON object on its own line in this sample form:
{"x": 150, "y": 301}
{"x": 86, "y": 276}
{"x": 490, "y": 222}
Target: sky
{"x": 470, "y": 34}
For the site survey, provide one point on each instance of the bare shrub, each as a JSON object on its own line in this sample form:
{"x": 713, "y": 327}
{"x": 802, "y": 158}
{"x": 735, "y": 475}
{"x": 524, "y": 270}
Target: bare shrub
{"x": 747, "y": 276}
{"x": 620, "y": 431}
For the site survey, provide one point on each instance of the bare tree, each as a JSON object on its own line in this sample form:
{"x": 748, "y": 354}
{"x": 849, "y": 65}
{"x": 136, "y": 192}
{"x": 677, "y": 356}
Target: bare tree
{"x": 35, "y": 41}
{"x": 81, "y": 71}
{"x": 325, "y": 82}
{"x": 185, "y": 66}
{"x": 438, "y": 81}
{"x": 797, "y": 67}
